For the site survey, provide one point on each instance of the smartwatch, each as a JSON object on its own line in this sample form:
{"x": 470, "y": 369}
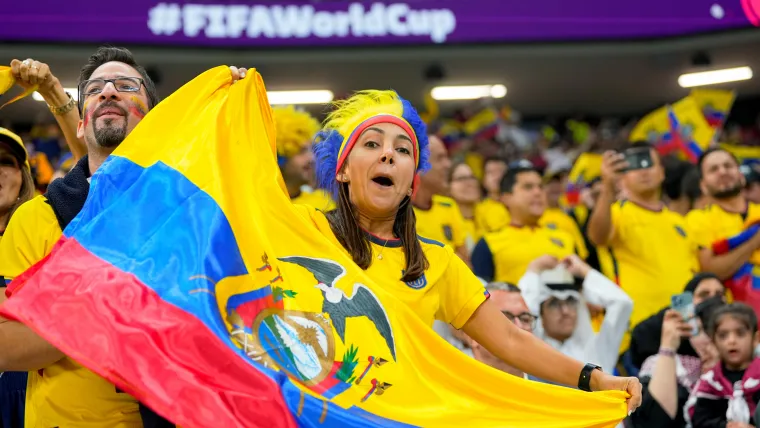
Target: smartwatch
{"x": 584, "y": 381}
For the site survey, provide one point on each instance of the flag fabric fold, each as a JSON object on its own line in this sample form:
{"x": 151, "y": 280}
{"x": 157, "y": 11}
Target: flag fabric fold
{"x": 744, "y": 284}
{"x": 585, "y": 169}
{"x": 190, "y": 281}
{"x": 6, "y": 83}
{"x": 679, "y": 129}
{"x": 715, "y": 104}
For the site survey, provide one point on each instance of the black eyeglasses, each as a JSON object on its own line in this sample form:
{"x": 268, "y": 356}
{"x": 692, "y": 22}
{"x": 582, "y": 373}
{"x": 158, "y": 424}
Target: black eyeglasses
{"x": 96, "y": 86}
{"x": 526, "y": 318}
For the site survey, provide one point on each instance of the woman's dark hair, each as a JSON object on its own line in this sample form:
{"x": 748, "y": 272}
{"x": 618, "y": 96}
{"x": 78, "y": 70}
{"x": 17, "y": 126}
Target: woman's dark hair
{"x": 345, "y": 225}
{"x": 739, "y": 311}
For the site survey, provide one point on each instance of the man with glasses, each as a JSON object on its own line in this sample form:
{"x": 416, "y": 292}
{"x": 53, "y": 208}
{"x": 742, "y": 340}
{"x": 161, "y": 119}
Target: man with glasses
{"x": 115, "y": 94}
{"x": 509, "y": 300}
{"x": 559, "y": 291}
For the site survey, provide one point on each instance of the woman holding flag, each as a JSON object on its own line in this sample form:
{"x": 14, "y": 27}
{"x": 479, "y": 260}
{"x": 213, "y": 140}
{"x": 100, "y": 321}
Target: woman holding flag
{"x": 369, "y": 155}
{"x": 211, "y": 337}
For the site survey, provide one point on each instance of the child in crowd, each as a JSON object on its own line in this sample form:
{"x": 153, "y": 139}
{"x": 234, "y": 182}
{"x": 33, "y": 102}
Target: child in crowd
{"x": 727, "y": 395}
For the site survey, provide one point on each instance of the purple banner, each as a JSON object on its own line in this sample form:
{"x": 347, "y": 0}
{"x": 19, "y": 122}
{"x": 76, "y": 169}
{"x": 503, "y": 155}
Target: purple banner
{"x": 350, "y": 23}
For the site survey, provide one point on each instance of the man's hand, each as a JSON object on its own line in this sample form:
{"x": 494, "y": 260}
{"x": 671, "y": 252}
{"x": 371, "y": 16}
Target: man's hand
{"x": 577, "y": 267}
{"x": 543, "y": 263}
{"x": 29, "y": 73}
{"x": 613, "y": 166}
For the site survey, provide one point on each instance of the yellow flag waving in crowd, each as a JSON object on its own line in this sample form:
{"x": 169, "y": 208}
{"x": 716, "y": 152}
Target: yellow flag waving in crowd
{"x": 680, "y": 129}
{"x": 192, "y": 282}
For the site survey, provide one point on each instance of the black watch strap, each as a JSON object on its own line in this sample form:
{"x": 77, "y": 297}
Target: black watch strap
{"x": 584, "y": 381}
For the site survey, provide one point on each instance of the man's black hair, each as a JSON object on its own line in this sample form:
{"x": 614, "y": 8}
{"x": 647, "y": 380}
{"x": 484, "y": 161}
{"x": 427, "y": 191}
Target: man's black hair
{"x": 106, "y": 54}
{"x": 510, "y": 177}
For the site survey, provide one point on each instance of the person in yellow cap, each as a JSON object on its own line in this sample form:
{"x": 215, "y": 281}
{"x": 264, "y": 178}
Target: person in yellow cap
{"x": 16, "y": 187}
{"x": 295, "y": 131}
{"x": 16, "y": 183}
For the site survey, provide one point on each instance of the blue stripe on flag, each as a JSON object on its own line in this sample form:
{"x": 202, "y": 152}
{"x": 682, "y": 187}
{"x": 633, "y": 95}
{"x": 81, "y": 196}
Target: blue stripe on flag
{"x": 170, "y": 229}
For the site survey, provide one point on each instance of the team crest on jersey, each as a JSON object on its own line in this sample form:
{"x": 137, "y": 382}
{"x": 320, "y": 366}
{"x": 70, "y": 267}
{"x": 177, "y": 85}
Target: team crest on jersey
{"x": 447, "y": 232}
{"x": 418, "y": 283}
{"x": 680, "y": 231}
{"x": 557, "y": 242}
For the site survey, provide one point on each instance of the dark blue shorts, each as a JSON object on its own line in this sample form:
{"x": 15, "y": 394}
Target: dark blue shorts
{"x": 12, "y": 397}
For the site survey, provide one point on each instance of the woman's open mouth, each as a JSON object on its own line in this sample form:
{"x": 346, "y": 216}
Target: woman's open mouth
{"x": 383, "y": 181}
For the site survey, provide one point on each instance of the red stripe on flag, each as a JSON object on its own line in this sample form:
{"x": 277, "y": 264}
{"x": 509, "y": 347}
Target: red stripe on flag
{"x": 720, "y": 247}
{"x": 119, "y": 328}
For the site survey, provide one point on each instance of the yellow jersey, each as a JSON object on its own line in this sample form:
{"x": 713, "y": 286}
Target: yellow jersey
{"x": 443, "y": 222}
{"x": 490, "y": 216}
{"x": 471, "y": 234}
{"x": 599, "y": 257}
{"x": 318, "y": 199}
{"x": 556, "y": 218}
{"x": 655, "y": 256}
{"x": 448, "y": 291}
{"x": 712, "y": 223}
{"x": 63, "y": 394}
{"x": 506, "y": 254}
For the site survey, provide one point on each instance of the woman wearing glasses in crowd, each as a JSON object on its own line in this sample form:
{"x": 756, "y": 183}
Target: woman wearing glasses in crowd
{"x": 368, "y": 155}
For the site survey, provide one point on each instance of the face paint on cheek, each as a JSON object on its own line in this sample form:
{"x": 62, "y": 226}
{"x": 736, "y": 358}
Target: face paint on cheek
{"x": 138, "y": 107}
{"x": 86, "y": 114}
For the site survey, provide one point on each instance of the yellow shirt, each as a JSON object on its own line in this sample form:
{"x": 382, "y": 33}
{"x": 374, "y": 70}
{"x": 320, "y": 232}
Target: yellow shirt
{"x": 318, "y": 199}
{"x": 655, "y": 254}
{"x": 443, "y": 222}
{"x": 556, "y": 218}
{"x": 448, "y": 291}
{"x": 471, "y": 234}
{"x": 712, "y": 223}
{"x": 63, "y": 394}
{"x": 490, "y": 216}
{"x": 506, "y": 254}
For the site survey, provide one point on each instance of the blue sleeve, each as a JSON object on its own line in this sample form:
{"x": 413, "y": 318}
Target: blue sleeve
{"x": 482, "y": 261}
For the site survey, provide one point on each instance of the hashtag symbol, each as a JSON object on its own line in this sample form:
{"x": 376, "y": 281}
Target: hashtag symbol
{"x": 165, "y": 19}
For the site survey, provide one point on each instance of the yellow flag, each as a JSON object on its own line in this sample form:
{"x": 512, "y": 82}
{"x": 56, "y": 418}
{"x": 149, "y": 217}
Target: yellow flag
{"x": 220, "y": 291}
{"x": 679, "y": 129}
{"x": 715, "y": 104}
{"x": 6, "y": 83}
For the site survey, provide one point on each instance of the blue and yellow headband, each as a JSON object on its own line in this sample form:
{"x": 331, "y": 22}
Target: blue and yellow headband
{"x": 350, "y": 118}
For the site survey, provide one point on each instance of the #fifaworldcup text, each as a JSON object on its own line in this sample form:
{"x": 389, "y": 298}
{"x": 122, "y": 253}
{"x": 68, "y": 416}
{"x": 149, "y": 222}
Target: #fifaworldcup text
{"x": 300, "y": 21}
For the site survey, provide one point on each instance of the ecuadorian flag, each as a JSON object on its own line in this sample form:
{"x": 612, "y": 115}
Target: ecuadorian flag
{"x": 678, "y": 129}
{"x": 745, "y": 282}
{"x": 586, "y": 168}
{"x": 192, "y": 282}
{"x": 715, "y": 104}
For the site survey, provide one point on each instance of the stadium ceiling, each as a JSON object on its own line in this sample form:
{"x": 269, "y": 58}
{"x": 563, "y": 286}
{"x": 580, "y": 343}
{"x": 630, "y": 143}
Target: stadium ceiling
{"x": 594, "y": 78}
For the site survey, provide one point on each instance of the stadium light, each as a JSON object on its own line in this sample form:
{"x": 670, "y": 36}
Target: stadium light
{"x": 73, "y": 91}
{"x": 714, "y": 77}
{"x": 299, "y": 97}
{"x": 446, "y": 93}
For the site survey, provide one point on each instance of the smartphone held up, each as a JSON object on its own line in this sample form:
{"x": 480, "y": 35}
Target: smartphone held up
{"x": 683, "y": 303}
